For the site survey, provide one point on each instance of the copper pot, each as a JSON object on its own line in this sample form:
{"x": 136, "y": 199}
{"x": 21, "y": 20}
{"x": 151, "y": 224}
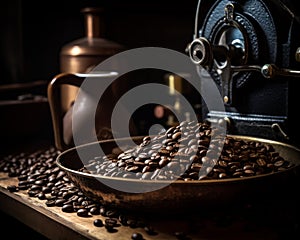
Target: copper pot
{"x": 82, "y": 55}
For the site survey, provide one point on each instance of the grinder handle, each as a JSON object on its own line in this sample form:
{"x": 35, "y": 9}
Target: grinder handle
{"x": 54, "y": 98}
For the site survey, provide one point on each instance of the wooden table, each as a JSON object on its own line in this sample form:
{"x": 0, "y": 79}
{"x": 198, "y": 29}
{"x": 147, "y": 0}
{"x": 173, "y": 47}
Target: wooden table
{"x": 53, "y": 223}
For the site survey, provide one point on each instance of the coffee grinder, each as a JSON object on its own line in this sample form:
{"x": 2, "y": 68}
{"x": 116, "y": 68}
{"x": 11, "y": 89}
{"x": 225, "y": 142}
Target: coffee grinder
{"x": 251, "y": 49}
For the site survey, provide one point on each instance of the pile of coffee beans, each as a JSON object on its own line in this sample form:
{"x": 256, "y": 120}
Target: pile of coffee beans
{"x": 190, "y": 151}
{"x": 40, "y": 177}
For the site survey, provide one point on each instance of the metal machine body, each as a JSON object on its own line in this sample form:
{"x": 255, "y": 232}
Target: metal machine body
{"x": 251, "y": 50}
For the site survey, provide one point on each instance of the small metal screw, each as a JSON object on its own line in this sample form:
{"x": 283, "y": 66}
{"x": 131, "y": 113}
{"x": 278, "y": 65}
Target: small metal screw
{"x": 297, "y": 55}
{"x": 267, "y": 71}
{"x": 226, "y": 99}
{"x": 229, "y": 12}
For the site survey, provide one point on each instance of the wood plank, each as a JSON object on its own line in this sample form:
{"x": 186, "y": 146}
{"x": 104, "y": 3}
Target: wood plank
{"x": 55, "y": 224}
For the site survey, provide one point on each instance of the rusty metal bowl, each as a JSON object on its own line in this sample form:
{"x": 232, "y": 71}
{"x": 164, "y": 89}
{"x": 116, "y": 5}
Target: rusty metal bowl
{"x": 179, "y": 195}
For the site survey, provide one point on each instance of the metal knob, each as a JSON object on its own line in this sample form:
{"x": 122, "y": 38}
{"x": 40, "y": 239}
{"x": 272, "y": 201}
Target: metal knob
{"x": 200, "y": 51}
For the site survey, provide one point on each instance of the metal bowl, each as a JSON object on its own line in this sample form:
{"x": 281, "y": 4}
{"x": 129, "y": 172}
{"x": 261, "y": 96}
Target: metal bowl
{"x": 179, "y": 196}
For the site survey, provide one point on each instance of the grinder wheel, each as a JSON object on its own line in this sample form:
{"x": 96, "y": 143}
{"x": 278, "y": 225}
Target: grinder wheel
{"x": 252, "y": 30}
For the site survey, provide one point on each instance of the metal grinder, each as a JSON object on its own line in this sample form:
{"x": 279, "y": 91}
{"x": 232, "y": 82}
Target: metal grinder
{"x": 251, "y": 50}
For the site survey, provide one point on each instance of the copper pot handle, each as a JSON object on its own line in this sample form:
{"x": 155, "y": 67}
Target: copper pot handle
{"x": 54, "y": 98}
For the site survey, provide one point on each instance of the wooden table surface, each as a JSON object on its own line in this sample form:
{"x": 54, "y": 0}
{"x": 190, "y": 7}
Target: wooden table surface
{"x": 53, "y": 223}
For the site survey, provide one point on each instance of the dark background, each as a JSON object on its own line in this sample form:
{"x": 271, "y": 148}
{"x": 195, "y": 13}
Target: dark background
{"x": 33, "y": 33}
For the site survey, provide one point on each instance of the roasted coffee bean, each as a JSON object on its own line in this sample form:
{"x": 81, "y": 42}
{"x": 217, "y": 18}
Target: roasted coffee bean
{"x": 102, "y": 211}
{"x": 95, "y": 210}
{"x": 249, "y": 172}
{"x": 147, "y": 175}
{"x": 67, "y": 208}
{"x": 222, "y": 175}
{"x": 137, "y": 236}
{"x": 180, "y": 235}
{"x": 82, "y": 212}
{"x": 35, "y": 188}
{"x": 176, "y": 135}
{"x": 22, "y": 177}
{"x": 12, "y": 188}
{"x": 279, "y": 163}
{"x": 23, "y": 182}
{"x": 33, "y": 193}
{"x": 60, "y": 202}
{"x": 50, "y": 203}
{"x": 98, "y": 223}
{"x": 111, "y": 221}
{"x": 110, "y": 224}
{"x": 50, "y": 185}
{"x": 41, "y": 196}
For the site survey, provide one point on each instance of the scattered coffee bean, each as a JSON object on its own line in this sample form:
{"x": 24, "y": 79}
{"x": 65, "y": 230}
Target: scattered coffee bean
{"x": 50, "y": 203}
{"x": 60, "y": 202}
{"x": 110, "y": 224}
{"x": 67, "y": 208}
{"x": 82, "y": 212}
{"x": 98, "y": 223}
{"x": 137, "y": 236}
{"x": 180, "y": 235}
{"x": 95, "y": 211}
{"x": 12, "y": 188}
{"x": 41, "y": 196}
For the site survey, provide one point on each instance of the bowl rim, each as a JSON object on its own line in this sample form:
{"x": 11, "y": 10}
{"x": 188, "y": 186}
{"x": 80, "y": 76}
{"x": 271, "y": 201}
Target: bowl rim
{"x": 176, "y": 181}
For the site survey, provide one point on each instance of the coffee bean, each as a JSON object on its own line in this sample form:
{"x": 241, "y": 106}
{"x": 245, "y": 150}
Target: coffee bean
{"x": 60, "y": 202}
{"x": 98, "y": 223}
{"x": 110, "y": 224}
{"x": 137, "y": 236}
{"x": 82, "y": 212}
{"x": 41, "y": 196}
{"x": 33, "y": 193}
{"x": 180, "y": 235}
{"x": 35, "y": 188}
{"x": 222, "y": 175}
{"x": 102, "y": 211}
{"x": 67, "y": 208}
{"x": 95, "y": 210}
{"x": 111, "y": 221}
{"x": 50, "y": 203}
{"x": 12, "y": 188}
{"x": 22, "y": 177}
